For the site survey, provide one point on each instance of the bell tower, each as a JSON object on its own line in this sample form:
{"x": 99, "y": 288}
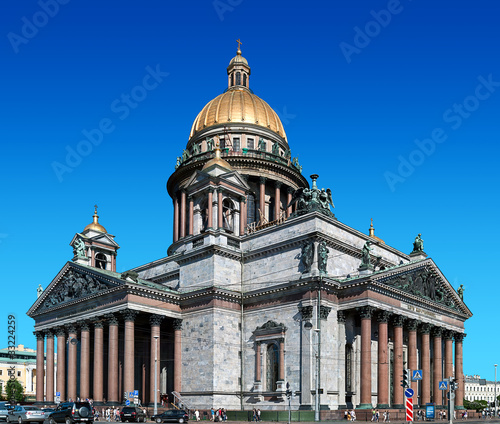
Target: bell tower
{"x": 94, "y": 246}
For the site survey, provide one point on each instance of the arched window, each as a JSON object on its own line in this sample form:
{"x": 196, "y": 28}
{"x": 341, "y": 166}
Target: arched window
{"x": 228, "y": 214}
{"x": 238, "y": 78}
{"x": 250, "y": 208}
{"x": 272, "y": 367}
{"x": 245, "y": 80}
{"x": 100, "y": 261}
{"x": 232, "y": 80}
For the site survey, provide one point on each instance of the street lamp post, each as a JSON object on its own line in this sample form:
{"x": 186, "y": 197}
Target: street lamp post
{"x": 156, "y": 376}
{"x": 496, "y": 401}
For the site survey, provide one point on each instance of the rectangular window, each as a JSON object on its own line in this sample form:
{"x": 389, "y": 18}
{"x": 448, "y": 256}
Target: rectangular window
{"x": 236, "y": 144}
{"x": 222, "y": 144}
{"x": 19, "y": 373}
{"x": 1, "y": 372}
{"x": 250, "y": 144}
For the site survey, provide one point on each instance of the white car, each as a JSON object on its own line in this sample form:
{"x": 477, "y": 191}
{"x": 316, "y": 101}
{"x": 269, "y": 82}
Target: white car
{"x": 25, "y": 413}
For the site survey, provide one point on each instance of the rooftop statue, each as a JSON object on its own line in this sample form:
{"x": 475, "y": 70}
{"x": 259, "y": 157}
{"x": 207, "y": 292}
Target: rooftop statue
{"x": 210, "y": 144}
{"x": 418, "y": 244}
{"x": 365, "y": 255}
{"x": 460, "y": 292}
{"x": 39, "y": 290}
{"x": 307, "y": 256}
{"x": 276, "y": 149}
{"x": 196, "y": 149}
{"x": 178, "y": 163}
{"x": 322, "y": 257}
{"x": 312, "y": 200}
{"x": 262, "y": 145}
{"x": 79, "y": 248}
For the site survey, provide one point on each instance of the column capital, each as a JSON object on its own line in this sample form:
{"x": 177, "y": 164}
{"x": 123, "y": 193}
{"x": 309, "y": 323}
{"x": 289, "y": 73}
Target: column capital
{"x": 98, "y": 323}
{"x": 112, "y": 319}
{"x": 60, "y": 332}
{"x": 155, "y": 319}
{"x": 177, "y": 324}
{"x": 341, "y": 316}
{"x": 306, "y": 311}
{"x": 366, "y": 312}
{"x": 398, "y": 320}
{"x": 129, "y": 315}
{"x": 448, "y": 334}
{"x": 71, "y": 328}
{"x": 243, "y": 199}
{"x": 85, "y": 326}
{"x": 413, "y": 324}
{"x": 49, "y": 333}
{"x": 189, "y": 197}
{"x": 437, "y": 331}
{"x": 278, "y": 184}
{"x": 383, "y": 316}
{"x": 262, "y": 180}
{"x": 324, "y": 311}
{"x": 459, "y": 337}
{"x": 290, "y": 190}
{"x": 425, "y": 328}
{"x": 40, "y": 335}
{"x": 211, "y": 189}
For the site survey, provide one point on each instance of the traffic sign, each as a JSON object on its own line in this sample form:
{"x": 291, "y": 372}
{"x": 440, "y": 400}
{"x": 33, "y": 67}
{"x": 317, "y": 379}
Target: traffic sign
{"x": 127, "y": 402}
{"x": 136, "y": 392}
{"x": 443, "y": 385}
{"x": 417, "y": 375}
{"x": 58, "y": 393}
{"x": 409, "y": 393}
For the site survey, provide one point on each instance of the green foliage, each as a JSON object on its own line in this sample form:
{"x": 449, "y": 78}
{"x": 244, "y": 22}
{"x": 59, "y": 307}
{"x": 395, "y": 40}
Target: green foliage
{"x": 14, "y": 390}
{"x": 478, "y": 405}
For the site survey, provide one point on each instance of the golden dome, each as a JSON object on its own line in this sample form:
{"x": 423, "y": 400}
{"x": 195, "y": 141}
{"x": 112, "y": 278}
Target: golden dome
{"x": 238, "y": 105}
{"x": 95, "y": 224}
{"x": 238, "y": 59}
{"x": 217, "y": 160}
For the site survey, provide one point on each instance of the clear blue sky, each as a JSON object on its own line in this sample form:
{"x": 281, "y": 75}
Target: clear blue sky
{"x": 356, "y": 83}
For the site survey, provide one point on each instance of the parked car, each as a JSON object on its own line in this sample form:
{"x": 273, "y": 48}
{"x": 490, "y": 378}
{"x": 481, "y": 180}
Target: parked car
{"x": 47, "y": 411}
{"x": 25, "y": 413}
{"x": 72, "y": 412}
{"x": 4, "y": 411}
{"x": 132, "y": 413}
{"x": 171, "y": 416}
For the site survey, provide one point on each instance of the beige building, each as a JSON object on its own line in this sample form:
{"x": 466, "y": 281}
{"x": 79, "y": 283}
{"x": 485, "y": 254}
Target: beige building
{"x": 24, "y": 363}
{"x": 477, "y": 388}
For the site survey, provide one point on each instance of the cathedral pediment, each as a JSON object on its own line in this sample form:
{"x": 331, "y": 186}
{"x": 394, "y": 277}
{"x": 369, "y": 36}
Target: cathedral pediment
{"x": 73, "y": 283}
{"x": 425, "y": 281}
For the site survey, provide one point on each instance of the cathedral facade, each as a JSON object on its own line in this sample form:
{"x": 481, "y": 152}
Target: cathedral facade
{"x": 263, "y": 289}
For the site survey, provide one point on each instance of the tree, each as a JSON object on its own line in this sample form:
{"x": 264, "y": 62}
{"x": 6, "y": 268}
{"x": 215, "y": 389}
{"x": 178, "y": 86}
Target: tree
{"x": 14, "y": 390}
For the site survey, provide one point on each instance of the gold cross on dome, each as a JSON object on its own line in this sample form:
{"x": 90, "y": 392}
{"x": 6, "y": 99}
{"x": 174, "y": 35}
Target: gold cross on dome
{"x": 95, "y": 206}
{"x": 239, "y": 43}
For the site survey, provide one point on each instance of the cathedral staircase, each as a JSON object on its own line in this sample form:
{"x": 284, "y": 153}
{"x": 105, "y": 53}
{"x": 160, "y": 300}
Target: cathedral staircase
{"x": 180, "y": 403}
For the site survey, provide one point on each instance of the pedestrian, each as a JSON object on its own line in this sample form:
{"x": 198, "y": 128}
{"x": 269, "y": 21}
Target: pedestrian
{"x": 258, "y": 415}
{"x": 254, "y": 417}
{"x": 353, "y": 415}
{"x": 197, "y": 415}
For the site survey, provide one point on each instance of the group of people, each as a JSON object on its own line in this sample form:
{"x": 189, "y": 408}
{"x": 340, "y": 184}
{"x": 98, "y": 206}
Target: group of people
{"x": 350, "y": 415}
{"x": 216, "y": 415}
{"x": 256, "y": 415}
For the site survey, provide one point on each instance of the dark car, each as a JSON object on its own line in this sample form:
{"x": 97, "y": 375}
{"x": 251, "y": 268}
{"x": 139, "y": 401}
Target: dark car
{"x": 132, "y": 413}
{"x": 171, "y": 416}
{"x": 72, "y": 412}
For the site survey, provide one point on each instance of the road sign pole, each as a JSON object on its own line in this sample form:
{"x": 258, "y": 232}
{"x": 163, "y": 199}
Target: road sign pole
{"x": 409, "y": 408}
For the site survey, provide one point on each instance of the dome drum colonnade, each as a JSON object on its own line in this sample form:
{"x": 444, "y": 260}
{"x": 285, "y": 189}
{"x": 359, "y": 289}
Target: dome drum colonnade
{"x": 119, "y": 358}
{"x": 419, "y": 357}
